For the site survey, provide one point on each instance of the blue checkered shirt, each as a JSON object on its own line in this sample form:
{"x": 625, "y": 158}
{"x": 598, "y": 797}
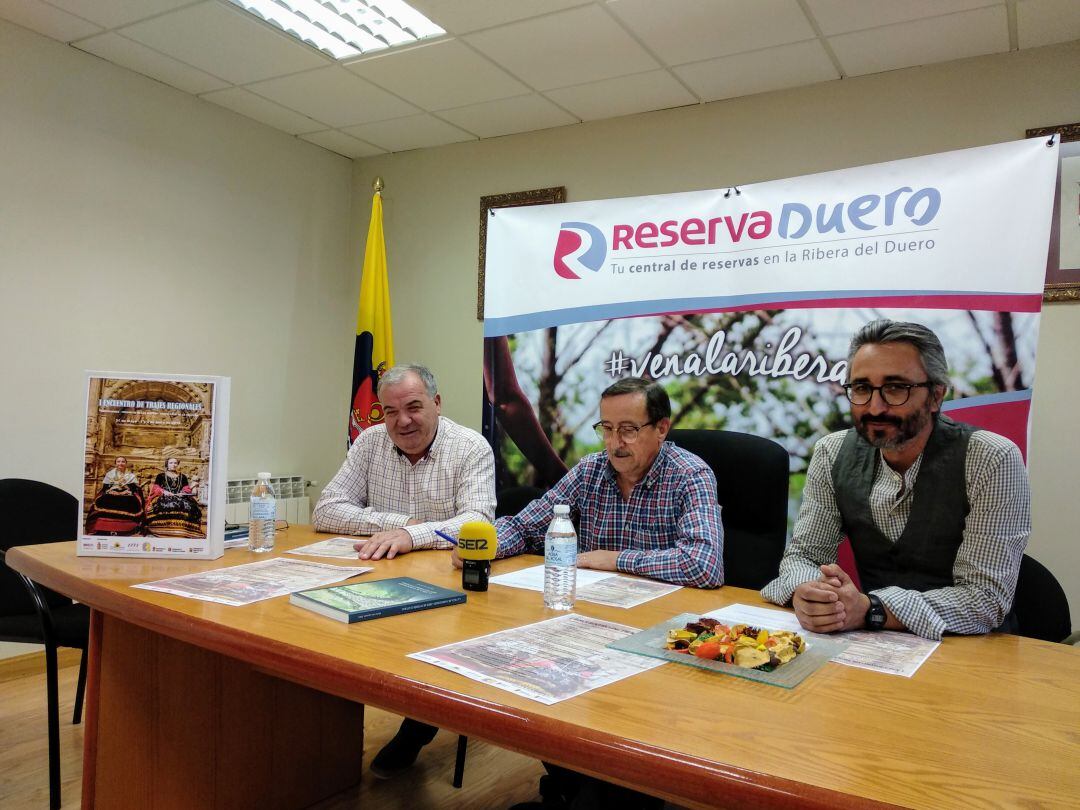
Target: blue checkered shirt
{"x": 669, "y": 529}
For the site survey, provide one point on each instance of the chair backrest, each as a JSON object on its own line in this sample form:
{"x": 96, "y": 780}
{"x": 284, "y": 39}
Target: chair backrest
{"x": 511, "y": 500}
{"x": 752, "y": 489}
{"x": 1040, "y": 604}
{"x": 32, "y": 512}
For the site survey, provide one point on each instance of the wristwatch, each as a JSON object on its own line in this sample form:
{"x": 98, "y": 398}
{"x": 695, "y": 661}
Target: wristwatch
{"x": 875, "y": 614}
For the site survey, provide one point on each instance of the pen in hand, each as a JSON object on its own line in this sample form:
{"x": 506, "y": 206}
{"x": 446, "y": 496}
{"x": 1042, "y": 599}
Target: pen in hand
{"x": 446, "y": 537}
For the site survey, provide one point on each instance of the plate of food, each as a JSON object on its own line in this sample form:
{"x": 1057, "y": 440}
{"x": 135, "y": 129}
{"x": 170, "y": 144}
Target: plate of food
{"x": 777, "y": 657}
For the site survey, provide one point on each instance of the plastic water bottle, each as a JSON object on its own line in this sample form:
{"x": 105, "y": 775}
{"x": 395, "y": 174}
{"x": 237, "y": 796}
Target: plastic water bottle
{"x": 263, "y": 515}
{"x": 560, "y": 561}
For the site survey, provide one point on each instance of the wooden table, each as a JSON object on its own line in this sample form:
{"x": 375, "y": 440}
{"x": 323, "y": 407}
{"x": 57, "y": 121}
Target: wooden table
{"x": 195, "y": 704}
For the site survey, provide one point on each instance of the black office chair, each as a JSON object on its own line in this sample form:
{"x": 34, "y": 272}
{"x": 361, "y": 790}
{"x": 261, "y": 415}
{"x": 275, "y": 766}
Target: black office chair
{"x": 752, "y": 489}
{"x": 33, "y": 512}
{"x": 1040, "y": 604}
{"x": 512, "y": 500}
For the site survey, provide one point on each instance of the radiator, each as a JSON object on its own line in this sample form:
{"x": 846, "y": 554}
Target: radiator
{"x": 293, "y": 503}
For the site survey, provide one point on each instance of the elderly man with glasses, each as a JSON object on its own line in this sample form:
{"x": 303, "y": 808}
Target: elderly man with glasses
{"x": 643, "y": 506}
{"x": 938, "y": 513}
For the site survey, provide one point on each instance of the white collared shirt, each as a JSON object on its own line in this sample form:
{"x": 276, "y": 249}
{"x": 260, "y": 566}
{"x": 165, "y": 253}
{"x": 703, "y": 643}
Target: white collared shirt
{"x": 378, "y": 488}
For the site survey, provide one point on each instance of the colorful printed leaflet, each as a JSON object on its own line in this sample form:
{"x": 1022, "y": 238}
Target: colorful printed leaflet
{"x": 361, "y": 601}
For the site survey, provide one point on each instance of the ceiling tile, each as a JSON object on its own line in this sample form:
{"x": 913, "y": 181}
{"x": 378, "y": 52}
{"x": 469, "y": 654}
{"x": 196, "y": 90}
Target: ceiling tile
{"x": 342, "y": 144}
{"x": 333, "y": 95}
{"x": 841, "y": 16}
{"x": 462, "y": 16}
{"x": 141, "y": 59}
{"x": 759, "y": 72}
{"x": 570, "y": 47}
{"x": 225, "y": 42}
{"x": 923, "y": 42}
{"x": 111, "y": 13}
{"x": 414, "y": 132}
{"x": 508, "y": 116}
{"x": 624, "y": 95}
{"x": 694, "y": 30}
{"x": 439, "y": 76}
{"x": 1044, "y": 22}
{"x": 47, "y": 20}
{"x": 240, "y": 100}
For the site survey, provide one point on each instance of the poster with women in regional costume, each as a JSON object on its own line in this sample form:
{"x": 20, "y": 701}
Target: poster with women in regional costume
{"x": 153, "y": 465}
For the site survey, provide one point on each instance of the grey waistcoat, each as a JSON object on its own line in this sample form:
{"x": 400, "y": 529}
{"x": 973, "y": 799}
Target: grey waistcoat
{"x": 922, "y": 558}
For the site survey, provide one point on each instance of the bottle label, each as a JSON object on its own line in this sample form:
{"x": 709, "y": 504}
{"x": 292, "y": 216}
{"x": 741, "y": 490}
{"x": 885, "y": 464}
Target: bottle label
{"x": 560, "y": 553}
{"x": 263, "y": 509}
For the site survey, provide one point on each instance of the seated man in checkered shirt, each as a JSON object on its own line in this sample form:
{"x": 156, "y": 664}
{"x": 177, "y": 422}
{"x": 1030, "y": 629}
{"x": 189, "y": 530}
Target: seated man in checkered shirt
{"x": 938, "y": 513}
{"x": 643, "y": 506}
{"x": 416, "y": 472}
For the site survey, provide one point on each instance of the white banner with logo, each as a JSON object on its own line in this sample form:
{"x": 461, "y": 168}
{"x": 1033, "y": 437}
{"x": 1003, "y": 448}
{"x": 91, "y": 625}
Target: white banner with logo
{"x": 741, "y": 301}
{"x": 973, "y": 222}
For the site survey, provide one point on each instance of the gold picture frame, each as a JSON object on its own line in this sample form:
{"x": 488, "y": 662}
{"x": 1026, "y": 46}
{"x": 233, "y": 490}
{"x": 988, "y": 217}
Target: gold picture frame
{"x": 1063, "y": 259}
{"x": 488, "y": 206}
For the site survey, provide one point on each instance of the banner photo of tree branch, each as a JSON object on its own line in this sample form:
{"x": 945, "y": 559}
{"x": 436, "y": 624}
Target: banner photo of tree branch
{"x": 740, "y": 302}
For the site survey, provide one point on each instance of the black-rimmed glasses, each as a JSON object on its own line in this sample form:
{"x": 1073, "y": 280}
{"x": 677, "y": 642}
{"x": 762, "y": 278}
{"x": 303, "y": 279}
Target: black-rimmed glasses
{"x": 894, "y": 393}
{"x": 628, "y": 433}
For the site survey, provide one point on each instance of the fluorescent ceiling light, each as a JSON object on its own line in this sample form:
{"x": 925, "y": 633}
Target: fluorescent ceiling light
{"x": 345, "y": 28}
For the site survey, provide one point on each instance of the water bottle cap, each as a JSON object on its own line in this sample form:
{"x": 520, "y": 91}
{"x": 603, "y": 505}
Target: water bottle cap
{"x": 562, "y": 509}
{"x": 263, "y": 475}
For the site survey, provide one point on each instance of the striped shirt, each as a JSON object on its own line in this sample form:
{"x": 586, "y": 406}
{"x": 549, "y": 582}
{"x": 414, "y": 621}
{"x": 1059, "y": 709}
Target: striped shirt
{"x": 669, "y": 529}
{"x": 377, "y": 488}
{"x": 987, "y": 563}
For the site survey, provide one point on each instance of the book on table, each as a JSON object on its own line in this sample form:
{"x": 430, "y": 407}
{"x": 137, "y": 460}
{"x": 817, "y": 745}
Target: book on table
{"x": 373, "y": 599}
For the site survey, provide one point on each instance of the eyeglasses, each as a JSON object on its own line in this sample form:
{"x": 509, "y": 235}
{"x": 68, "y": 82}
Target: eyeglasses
{"x": 628, "y": 433}
{"x": 893, "y": 393}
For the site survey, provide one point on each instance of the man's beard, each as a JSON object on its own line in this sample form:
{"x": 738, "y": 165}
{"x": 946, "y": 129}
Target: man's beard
{"x": 907, "y": 428}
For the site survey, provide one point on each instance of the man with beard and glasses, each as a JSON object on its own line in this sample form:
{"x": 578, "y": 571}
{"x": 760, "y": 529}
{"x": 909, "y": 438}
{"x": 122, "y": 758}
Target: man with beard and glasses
{"x": 938, "y": 513}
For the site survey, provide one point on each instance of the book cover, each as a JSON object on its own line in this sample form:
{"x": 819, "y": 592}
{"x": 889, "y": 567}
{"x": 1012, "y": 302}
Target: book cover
{"x": 154, "y": 466}
{"x": 374, "y": 599}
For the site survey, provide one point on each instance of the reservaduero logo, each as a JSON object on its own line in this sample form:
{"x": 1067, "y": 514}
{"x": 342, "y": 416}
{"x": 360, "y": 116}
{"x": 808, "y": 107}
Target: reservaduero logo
{"x": 580, "y": 247}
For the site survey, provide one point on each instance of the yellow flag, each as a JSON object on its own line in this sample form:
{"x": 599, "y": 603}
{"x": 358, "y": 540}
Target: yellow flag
{"x": 374, "y": 349}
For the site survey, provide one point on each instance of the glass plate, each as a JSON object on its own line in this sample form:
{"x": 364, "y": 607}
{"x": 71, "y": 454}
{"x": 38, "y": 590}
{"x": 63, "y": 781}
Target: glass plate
{"x": 650, "y": 642}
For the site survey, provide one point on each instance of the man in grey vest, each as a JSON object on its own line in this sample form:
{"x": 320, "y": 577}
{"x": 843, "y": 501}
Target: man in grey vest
{"x": 938, "y": 513}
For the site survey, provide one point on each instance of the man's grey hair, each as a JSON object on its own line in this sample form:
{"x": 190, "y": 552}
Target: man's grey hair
{"x": 400, "y": 373}
{"x": 923, "y": 339}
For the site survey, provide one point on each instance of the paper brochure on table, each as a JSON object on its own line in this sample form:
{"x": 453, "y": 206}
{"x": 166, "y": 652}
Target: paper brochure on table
{"x": 601, "y": 587}
{"x": 882, "y": 651}
{"x": 336, "y": 548}
{"x": 548, "y": 662}
{"x": 253, "y": 582}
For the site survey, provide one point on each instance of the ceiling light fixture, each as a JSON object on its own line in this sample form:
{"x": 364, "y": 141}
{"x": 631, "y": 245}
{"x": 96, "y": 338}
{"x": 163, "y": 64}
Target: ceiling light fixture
{"x": 345, "y": 28}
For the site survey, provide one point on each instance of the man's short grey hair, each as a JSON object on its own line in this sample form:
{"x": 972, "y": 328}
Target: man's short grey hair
{"x": 400, "y": 373}
{"x": 923, "y": 339}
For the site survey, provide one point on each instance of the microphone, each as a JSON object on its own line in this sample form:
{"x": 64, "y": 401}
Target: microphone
{"x": 476, "y": 547}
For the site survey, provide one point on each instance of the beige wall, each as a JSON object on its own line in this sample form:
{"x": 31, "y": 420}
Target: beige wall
{"x": 432, "y": 201}
{"x": 142, "y": 229}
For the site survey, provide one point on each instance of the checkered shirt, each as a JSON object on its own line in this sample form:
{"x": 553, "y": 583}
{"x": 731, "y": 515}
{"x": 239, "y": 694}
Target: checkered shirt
{"x": 987, "y": 563}
{"x": 377, "y": 488}
{"x": 669, "y": 529}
